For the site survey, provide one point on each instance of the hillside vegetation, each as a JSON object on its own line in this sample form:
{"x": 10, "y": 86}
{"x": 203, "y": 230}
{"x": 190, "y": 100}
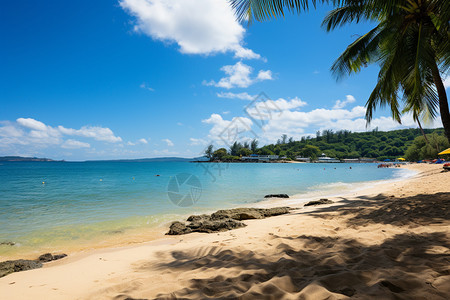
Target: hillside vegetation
{"x": 380, "y": 145}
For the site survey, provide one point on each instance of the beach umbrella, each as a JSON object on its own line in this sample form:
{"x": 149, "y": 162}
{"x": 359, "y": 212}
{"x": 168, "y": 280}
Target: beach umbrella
{"x": 401, "y": 158}
{"x": 445, "y": 152}
{"x": 387, "y": 159}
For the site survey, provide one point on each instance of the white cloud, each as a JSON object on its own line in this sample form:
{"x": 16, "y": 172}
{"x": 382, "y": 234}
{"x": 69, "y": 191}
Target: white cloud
{"x": 131, "y": 144}
{"x": 341, "y": 104}
{"x": 196, "y": 26}
{"x": 31, "y": 134}
{"x": 32, "y": 124}
{"x": 225, "y": 131}
{"x": 239, "y": 76}
{"x": 264, "y": 110}
{"x": 143, "y": 141}
{"x": 230, "y": 95}
{"x": 196, "y": 142}
{"x": 74, "y": 144}
{"x": 277, "y": 117}
{"x": 264, "y": 75}
{"x": 169, "y": 142}
{"x": 146, "y": 87}
{"x": 98, "y": 133}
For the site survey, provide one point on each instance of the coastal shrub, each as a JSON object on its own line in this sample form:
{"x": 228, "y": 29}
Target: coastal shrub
{"x": 421, "y": 149}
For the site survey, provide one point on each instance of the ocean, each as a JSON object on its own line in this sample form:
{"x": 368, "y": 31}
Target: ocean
{"x": 78, "y": 206}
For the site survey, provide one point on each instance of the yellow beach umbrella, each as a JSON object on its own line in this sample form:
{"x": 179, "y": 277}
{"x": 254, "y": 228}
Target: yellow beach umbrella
{"x": 445, "y": 152}
{"x": 401, "y": 158}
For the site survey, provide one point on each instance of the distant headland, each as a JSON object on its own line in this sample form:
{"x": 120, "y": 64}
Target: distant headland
{"x": 22, "y": 158}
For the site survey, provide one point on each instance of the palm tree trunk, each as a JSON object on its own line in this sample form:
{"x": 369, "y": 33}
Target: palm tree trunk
{"x": 443, "y": 103}
{"x": 423, "y": 132}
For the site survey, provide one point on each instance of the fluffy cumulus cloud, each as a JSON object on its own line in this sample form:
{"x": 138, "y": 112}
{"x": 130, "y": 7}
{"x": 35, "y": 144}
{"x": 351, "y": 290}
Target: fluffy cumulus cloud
{"x": 196, "y": 26}
{"x": 239, "y": 76}
{"x": 342, "y": 103}
{"x": 270, "y": 119}
{"x": 225, "y": 132}
{"x": 32, "y": 133}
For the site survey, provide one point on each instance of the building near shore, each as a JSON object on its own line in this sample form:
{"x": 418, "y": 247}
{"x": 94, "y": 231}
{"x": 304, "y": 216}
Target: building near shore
{"x": 325, "y": 159}
{"x": 303, "y": 159}
{"x": 360, "y": 160}
{"x": 259, "y": 158}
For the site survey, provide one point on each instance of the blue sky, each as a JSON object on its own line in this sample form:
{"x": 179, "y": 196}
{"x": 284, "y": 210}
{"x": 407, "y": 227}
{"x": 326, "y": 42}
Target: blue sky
{"x": 146, "y": 78}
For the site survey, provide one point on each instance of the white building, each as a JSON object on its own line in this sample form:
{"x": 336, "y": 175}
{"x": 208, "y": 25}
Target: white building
{"x": 325, "y": 159}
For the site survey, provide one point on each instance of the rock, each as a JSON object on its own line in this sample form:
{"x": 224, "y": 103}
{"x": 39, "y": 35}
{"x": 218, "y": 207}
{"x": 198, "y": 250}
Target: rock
{"x": 276, "y": 211}
{"x": 59, "y": 256}
{"x": 196, "y": 218}
{"x": 7, "y": 243}
{"x": 276, "y": 196}
{"x": 249, "y": 213}
{"x": 11, "y": 266}
{"x": 223, "y": 220}
{"x": 178, "y": 228}
{"x": 49, "y": 257}
{"x": 239, "y": 214}
{"x": 319, "y": 202}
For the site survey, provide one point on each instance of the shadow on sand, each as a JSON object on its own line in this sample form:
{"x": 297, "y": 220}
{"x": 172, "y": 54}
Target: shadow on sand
{"x": 404, "y": 266}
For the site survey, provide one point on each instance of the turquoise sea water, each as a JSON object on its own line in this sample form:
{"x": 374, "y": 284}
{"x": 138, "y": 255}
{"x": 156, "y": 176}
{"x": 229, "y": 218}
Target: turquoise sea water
{"x": 48, "y": 206}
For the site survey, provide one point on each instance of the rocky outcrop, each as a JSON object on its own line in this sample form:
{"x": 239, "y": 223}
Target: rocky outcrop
{"x": 319, "y": 202}
{"x": 49, "y": 257}
{"x": 11, "y": 266}
{"x": 7, "y": 244}
{"x": 223, "y": 220}
{"x": 277, "y": 196}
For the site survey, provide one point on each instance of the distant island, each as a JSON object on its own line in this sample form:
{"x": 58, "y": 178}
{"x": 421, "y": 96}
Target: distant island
{"x": 21, "y": 158}
{"x": 154, "y": 159}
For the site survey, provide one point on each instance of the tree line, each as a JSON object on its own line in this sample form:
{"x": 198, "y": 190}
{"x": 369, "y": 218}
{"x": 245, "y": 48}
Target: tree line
{"x": 343, "y": 144}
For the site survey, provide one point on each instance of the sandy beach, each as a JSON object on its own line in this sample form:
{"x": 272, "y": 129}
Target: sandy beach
{"x": 390, "y": 241}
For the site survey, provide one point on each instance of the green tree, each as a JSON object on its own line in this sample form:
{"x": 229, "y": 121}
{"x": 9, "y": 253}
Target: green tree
{"x": 411, "y": 43}
{"x": 219, "y": 154}
{"x": 311, "y": 151}
{"x": 245, "y": 152}
{"x": 209, "y": 151}
{"x": 254, "y": 145}
{"x": 420, "y": 149}
{"x": 234, "y": 149}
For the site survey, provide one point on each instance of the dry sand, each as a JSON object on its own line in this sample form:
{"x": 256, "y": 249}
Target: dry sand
{"x": 387, "y": 242}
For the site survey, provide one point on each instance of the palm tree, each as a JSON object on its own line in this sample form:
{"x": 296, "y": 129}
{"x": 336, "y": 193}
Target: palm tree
{"x": 411, "y": 43}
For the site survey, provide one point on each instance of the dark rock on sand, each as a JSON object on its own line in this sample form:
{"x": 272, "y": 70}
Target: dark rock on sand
{"x": 249, "y": 213}
{"x": 223, "y": 220}
{"x": 11, "y": 266}
{"x": 204, "y": 225}
{"x": 178, "y": 228}
{"x": 319, "y": 202}
{"x": 7, "y": 244}
{"x": 49, "y": 257}
{"x": 276, "y": 196}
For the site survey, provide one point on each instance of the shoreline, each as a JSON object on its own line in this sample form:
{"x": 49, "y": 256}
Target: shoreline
{"x": 111, "y": 266}
{"x": 143, "y": 234}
